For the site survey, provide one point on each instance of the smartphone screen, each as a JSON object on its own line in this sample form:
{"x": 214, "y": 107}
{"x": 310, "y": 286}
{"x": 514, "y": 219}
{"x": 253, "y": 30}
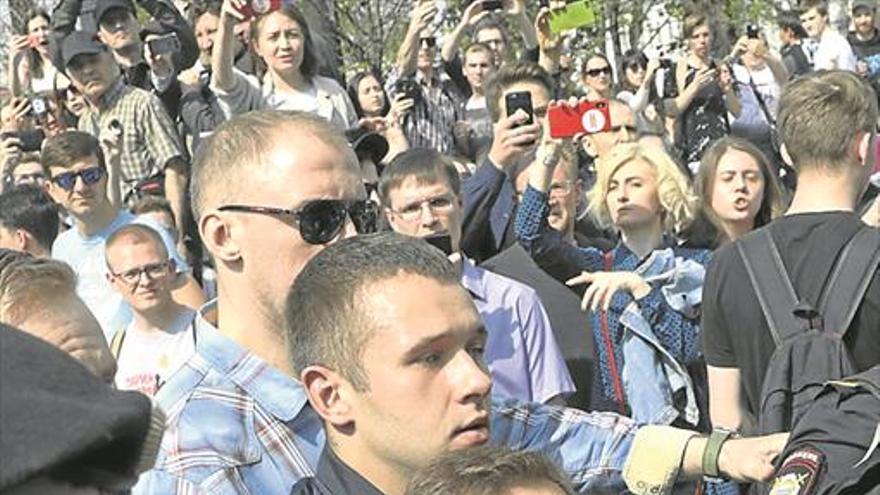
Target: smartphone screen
{"x": 520, "y": 100}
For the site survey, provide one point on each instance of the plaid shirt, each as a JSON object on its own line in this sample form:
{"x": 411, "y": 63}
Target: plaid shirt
{"x": 431, "y": 122}
{"x": 236, "y": 425}
{"x": 149, "y": 137}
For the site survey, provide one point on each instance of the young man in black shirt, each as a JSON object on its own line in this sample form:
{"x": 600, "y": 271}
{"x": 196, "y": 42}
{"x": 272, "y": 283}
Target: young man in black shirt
{"x": 827, "y": 123}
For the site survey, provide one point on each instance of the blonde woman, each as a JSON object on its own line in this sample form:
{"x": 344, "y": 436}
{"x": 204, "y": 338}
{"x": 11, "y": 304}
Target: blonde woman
{"x": 643, "y": 294}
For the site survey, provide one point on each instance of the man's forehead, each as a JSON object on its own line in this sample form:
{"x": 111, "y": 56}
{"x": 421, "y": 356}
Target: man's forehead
{"x": 415, "y": 188}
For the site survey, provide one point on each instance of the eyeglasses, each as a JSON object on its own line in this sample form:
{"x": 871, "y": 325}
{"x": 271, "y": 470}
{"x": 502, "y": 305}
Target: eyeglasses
{"x": 34, "y": 178}
{"x": 598, "y": 71}
{"x": 320, "y": 221}
{"x": 89, "y": 176}
{"x": 428, "y": 42}
{"x": 153, "y": 271}
{"x": 438, "y": 204}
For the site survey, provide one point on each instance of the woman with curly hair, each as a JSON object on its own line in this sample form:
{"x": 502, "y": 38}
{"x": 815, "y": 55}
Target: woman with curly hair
{"x": 644, "y": 294}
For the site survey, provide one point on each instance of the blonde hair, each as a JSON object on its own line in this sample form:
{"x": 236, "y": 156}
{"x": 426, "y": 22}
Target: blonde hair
{"x": 673, "y": 189}
{"x": 27, "y": 282}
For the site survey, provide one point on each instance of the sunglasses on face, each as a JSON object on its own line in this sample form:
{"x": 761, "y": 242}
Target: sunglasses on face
{"x": 320, "y": 221}
{"x": 153, "y": 271}
{"x": 428, "y": 42}
{"x": 89, "y": 176}
{"x": 598, "y": 71}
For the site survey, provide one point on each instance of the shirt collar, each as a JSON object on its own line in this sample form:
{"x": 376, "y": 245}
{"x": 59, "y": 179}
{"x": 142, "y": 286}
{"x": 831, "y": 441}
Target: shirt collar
{"x": 279, "y": 394}
{"x": 472, "y": 278}
{"x": 112, "y": 95}
{"x": 338, "y": 477}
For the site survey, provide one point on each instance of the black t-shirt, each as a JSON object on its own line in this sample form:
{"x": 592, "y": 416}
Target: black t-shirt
{"x": 735, "y": 333}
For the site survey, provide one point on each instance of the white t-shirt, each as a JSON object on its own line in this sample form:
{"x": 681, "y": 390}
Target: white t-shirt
{"x": 752, "y": 122}
{"x": 86, "y": 256}
{"x": 147, "y": 360}
{"x": 834, "y": 52}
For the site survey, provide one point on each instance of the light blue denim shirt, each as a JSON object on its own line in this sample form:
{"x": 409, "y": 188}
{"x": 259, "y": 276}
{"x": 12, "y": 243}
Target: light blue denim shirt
{"x": 237, "y": 425}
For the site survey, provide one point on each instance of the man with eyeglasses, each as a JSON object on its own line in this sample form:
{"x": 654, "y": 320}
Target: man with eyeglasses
{"x": 420, "y": 195}
{"x": 270, "y": 190}
{"x": 151, "y": 154}
{"x": 74, "y": 163}
{"x": 160, "y": 337}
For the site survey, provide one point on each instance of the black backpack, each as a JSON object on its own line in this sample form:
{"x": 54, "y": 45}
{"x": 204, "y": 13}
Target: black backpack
{"x": 809, "y": 341}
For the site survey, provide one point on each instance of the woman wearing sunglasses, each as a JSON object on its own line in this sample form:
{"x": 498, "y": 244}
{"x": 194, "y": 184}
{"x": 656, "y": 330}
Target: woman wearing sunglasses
{"x": 705, "y": 94}
{"x": 283, "y": 42}
{"x": 637, "y": 91}
{"x": 644, "y": 294}
{"x": 598, "y": 77}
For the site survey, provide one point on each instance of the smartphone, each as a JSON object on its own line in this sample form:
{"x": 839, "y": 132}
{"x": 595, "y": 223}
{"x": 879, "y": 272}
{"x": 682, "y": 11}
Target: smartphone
{"x": 752, "y": 31}
{"x": 573, "y": 16}
{"x": 167, "y": 43}
{"x": 489, "y": 5}
{"x": 39, "y": 108}
{"x": 520, "y": 100}
{"x": 30, "y": 140}
{"x": 254, "y": 8}
{"x": 589, "y": 117}
{"x": 409, "y": 88}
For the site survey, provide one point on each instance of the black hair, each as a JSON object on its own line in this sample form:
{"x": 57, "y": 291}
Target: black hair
{"x": 355, "y": 83}
{"x": 426, "y": 165}
{"x": 29, "y": 208}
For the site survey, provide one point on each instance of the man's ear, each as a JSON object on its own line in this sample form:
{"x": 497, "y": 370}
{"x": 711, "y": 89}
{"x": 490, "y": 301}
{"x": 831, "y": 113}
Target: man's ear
{"x": 216, "y": 230}
{"x": 22, "y": 239}
{"x": 865, "y": 150}
{"x": 325, "y": 390}
{"x": 783, "y": 151}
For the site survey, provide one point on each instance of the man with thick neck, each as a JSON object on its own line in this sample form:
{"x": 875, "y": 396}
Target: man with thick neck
{"x": 150, "y": 148}
{"x": 78, "y": 177}
{"x": 397, "y": 390}
{"x": 420, "y": 192}
{"x": 159, "y": 338}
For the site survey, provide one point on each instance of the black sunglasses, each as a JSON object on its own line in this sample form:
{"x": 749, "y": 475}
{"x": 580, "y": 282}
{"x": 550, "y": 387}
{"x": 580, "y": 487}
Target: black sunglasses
{"x": 89, "y": 176}
{"x": 428, "y": 42}
{"x": 596, "y": 72}
{"x": 320, "y": 221}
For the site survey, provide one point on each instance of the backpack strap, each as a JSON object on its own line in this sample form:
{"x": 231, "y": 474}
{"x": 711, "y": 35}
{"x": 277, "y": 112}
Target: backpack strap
{"x": 116, "y": 343}
{"x": 849, "y": 280}
{"x": 771, "y": 283}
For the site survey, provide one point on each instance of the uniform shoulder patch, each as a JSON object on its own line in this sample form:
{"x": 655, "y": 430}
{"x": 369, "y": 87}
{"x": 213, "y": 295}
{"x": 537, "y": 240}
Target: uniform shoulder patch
{"x": 798, "y": 473}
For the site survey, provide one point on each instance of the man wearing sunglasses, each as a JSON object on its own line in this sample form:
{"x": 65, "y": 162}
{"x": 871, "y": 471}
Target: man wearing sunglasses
{"x": 270, "y": 190}
{"x": 160, "y": 337}
{"x": 420, "y": 194}
{"x": 74, "y": 163}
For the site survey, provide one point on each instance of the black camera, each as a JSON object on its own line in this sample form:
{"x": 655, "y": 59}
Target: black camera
{"x": 752, "y": 31}
{"x": 39, "y": 108}
{"x": 409, "y": 88}
{"x": 30, "y": 140}
{"x": 665, "y": 63}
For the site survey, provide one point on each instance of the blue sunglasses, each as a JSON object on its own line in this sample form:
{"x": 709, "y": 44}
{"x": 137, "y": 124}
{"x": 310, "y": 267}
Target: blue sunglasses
{"x": 89, "y": 176}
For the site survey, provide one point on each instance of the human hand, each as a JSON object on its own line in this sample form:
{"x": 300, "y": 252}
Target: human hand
{"x": 547, "y": 40}
{"x": 400, "y": 106}
{"x": 741, "y": 46}
{"x": 15, "y": 113}
{"x": 704, "y": 77}
{"x": 651, "y": 68}
{"x": 513, "y": 139}
{"x": 862, "y": 68}
{"x": 10, "y": 152}
{"x": 18, "y": 47}
{"x": 110, "y": 138}
{"x": 161, "y": 64}
{"x": 725, "y": 78}
{"x": 423, "y": 15}
{"x": 473, "y": 13}
{"x": 751, "y": 459}
{"x": 514, "y": 8}
{"x": 603, "y": 286}
{"x": 373, "y": 124}
{"x": 231, "y": 11}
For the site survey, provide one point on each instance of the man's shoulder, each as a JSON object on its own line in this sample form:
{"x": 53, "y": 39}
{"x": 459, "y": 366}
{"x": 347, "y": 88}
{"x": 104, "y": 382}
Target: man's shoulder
{"x": 503, "y": 288}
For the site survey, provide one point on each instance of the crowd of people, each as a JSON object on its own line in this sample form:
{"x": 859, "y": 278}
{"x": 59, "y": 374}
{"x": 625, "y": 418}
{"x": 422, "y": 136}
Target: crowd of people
{"x": 330, "y": 281}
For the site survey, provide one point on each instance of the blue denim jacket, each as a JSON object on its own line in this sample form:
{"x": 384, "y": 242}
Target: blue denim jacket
{"x": 651, "y": 375}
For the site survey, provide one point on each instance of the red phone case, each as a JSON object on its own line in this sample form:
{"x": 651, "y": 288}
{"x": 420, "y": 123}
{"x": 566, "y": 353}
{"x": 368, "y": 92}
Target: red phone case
{"x": 254, "y": 8}
{"x": 588, "y": 117}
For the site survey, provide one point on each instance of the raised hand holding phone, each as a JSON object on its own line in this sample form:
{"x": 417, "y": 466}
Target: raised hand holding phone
{"x": 586, "y": 117}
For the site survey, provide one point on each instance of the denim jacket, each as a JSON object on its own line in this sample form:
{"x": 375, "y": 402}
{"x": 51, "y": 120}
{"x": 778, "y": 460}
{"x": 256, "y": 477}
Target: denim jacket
{"x": 651, "y": 375}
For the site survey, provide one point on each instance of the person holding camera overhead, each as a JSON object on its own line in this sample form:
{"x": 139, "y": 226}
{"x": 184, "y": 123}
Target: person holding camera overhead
{"x": 705, "y": 94}
{"x": 636, "y": 91}
{"x": 282, "y": 40}
{"x": 431, "y": 122}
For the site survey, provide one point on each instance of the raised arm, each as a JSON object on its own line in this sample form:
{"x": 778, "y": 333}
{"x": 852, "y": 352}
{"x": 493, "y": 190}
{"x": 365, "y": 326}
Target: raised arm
{"x": 407, "y": 54}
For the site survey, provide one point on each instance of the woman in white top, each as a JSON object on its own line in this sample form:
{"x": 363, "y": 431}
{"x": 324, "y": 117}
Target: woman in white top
{"x": 282, "y": 40}
{"x": 30, "y": 61}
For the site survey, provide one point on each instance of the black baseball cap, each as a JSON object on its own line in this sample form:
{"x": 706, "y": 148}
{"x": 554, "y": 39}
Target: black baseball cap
{"x": 102, "y": 6}
{"x": 80, "y": 43}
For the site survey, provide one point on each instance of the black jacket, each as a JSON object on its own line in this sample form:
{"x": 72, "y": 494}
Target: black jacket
{"x": 334, "y": 477}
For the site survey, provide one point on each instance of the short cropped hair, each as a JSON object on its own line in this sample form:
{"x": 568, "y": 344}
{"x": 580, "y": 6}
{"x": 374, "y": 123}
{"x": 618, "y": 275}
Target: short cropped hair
{"x": 673, "y": 190}
{"x": 491, "y": 22}
{"x": 511, "y": 74}
{"x": 27, "y": 283}
{"x": 426, "y": 165}
{"x": 69, "y": 146}
{"x": 327, "y": 323}
{"x": 821, "y": 114}
{"x": 479, "y": 48}
{"x": 486, "y": 470}
{"x": 135, "y": 233}
{"x": 29, "y": 208}
{"x": 153, "y": 204}
{"x": 238, "y": 147}
{"x": 821, "y": 6}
